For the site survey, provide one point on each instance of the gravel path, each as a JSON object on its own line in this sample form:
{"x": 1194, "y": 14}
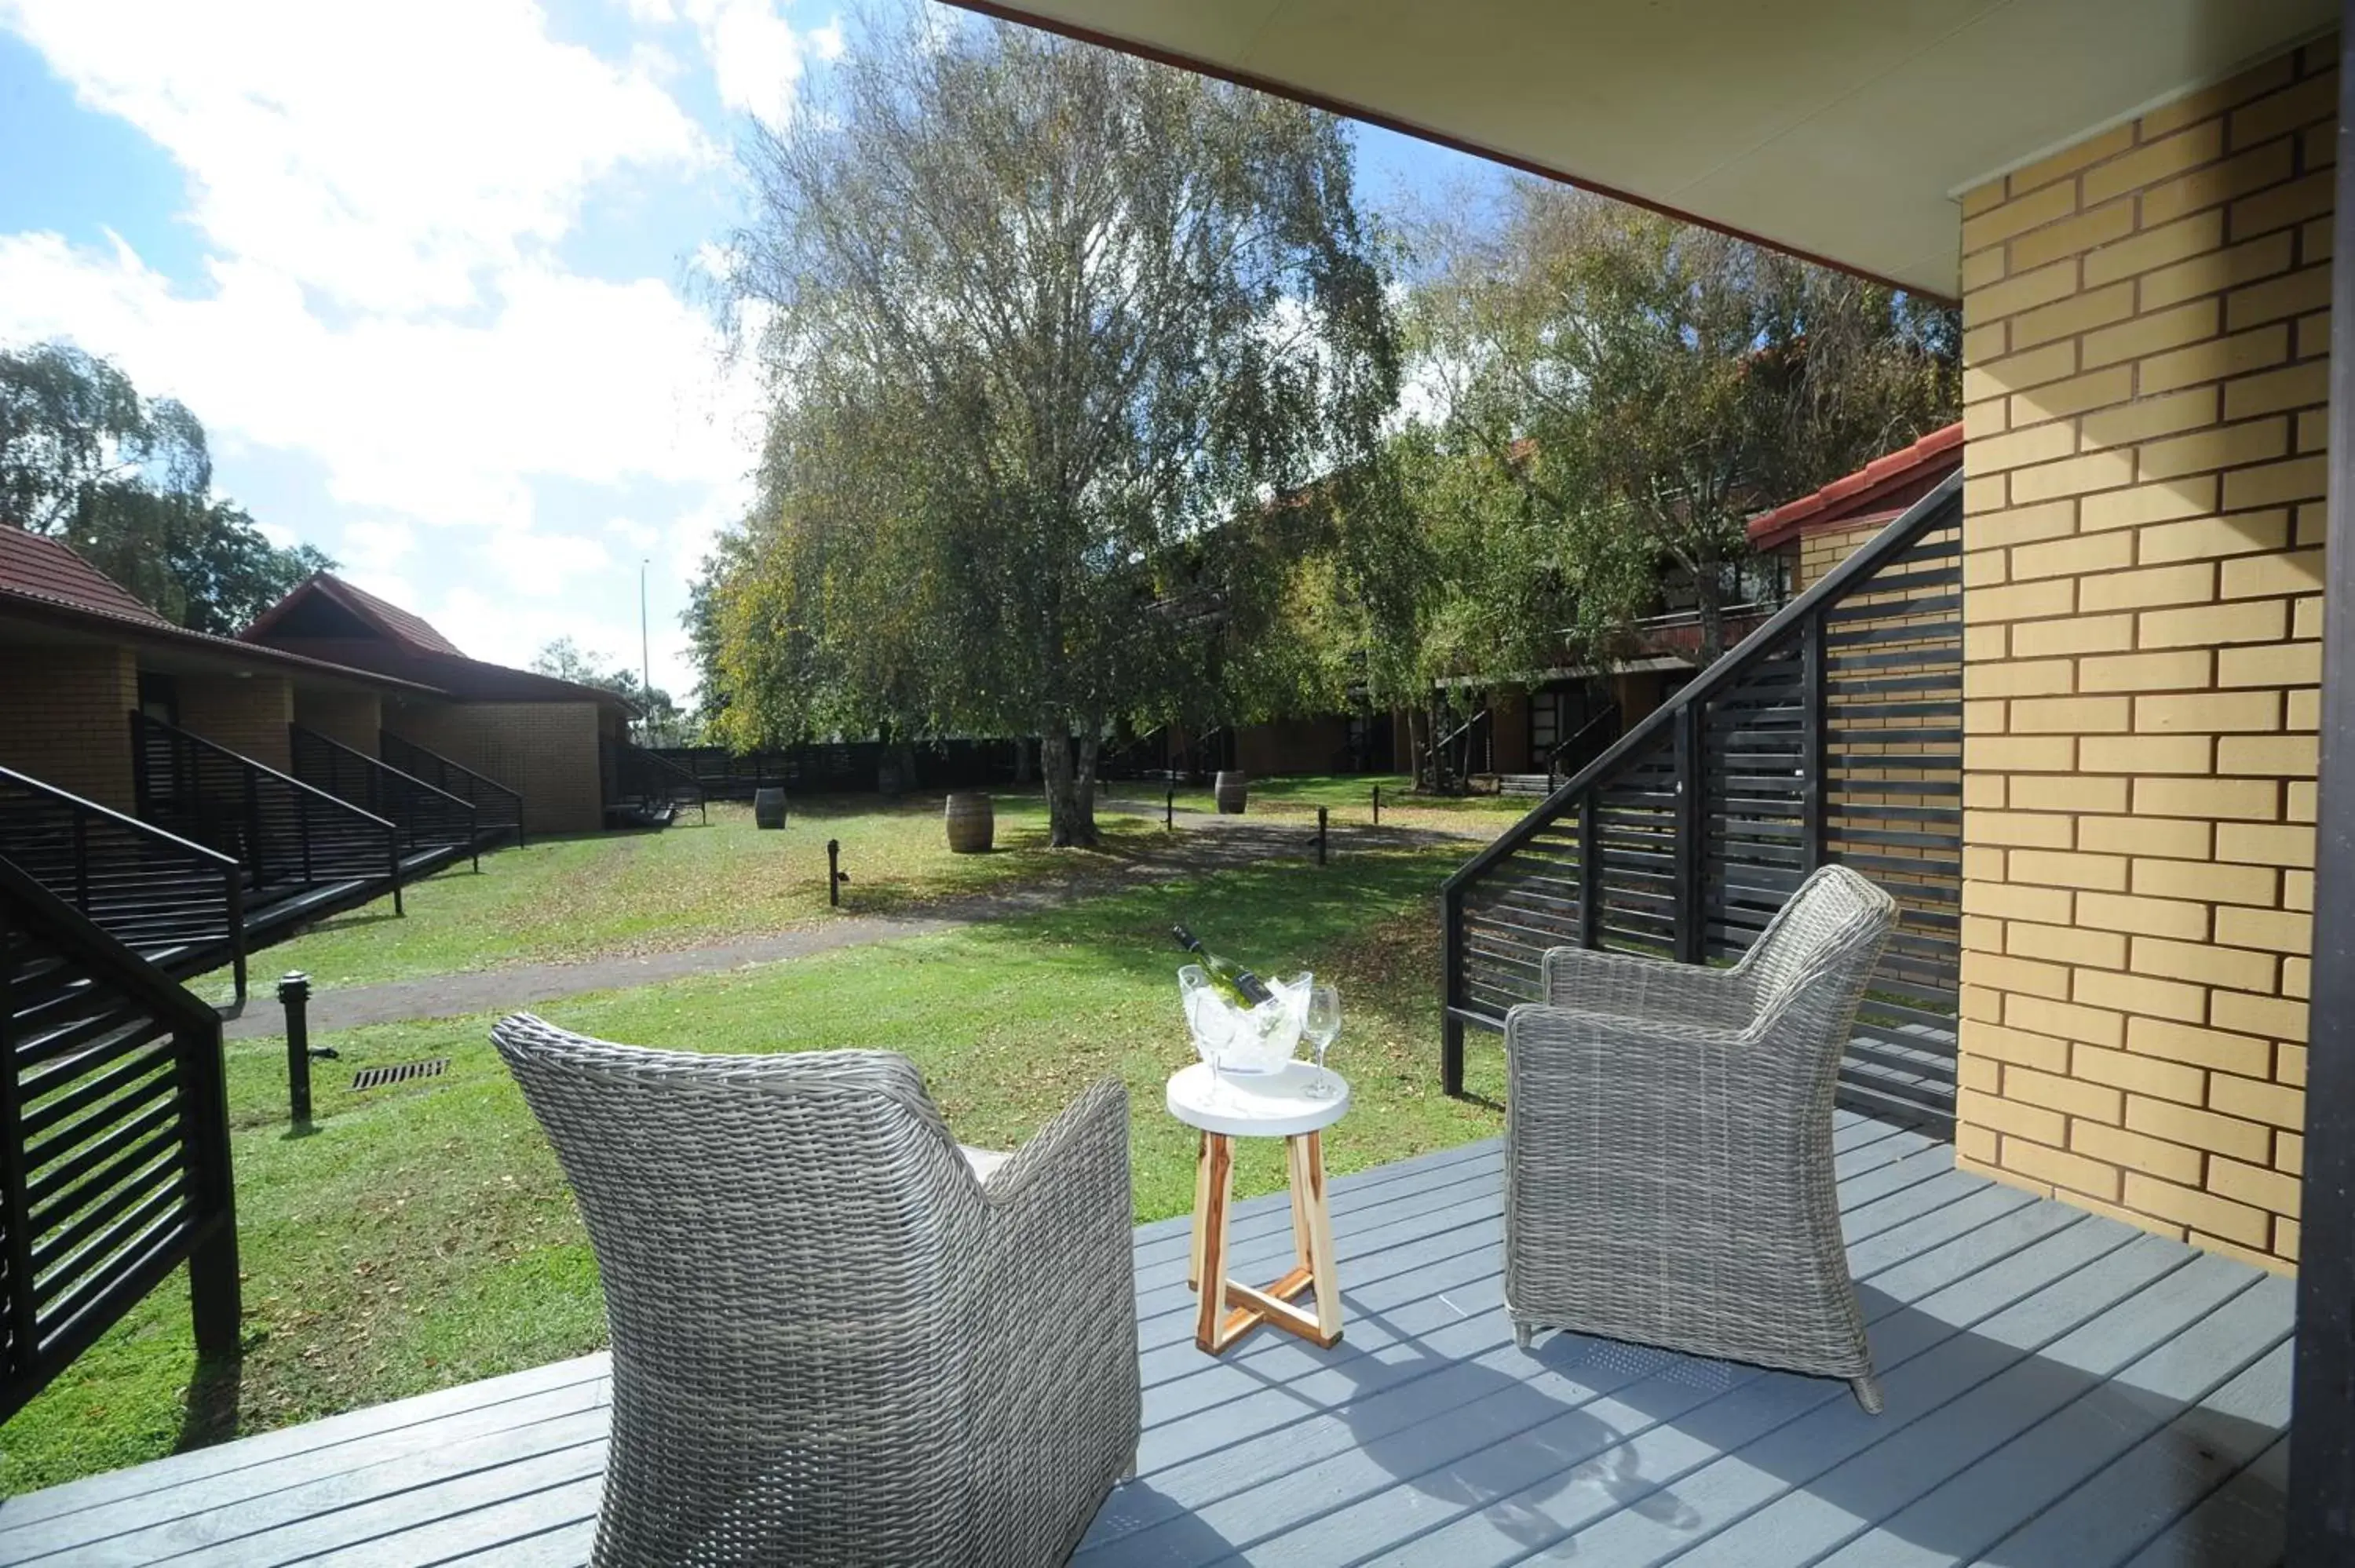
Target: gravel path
{"x": 1205, "y": 842}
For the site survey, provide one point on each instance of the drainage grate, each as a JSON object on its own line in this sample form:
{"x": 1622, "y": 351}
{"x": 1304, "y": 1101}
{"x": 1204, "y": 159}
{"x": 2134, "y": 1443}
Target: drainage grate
{"x": 401, "y": 1072}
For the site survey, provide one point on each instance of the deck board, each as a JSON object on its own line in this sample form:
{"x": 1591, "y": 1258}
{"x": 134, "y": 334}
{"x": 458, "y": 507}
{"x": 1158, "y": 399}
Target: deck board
{"x": 2062, "y": 1389}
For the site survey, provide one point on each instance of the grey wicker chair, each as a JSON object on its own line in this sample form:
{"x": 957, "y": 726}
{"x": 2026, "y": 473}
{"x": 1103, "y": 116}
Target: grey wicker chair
{"x": 1667, "y": 1129}
{"x": 834, "y": 1341}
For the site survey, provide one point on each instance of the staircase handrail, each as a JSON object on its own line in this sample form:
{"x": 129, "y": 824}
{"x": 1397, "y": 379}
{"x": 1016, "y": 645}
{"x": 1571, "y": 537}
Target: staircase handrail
{"x": 377, "y": 768}
{"x": 387, "y": 739}
{"x": 1869, "y": 558}
{"x": 203, "y": 855}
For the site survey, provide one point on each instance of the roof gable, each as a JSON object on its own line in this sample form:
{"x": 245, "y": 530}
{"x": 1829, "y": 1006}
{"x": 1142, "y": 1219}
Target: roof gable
{"x": 362, "y": 614}
{"x": 48, "y": 569}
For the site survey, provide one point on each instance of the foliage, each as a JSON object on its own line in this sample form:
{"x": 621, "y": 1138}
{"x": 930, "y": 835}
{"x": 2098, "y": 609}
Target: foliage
{"x": 1049, "y": 329}
{"x": 126, "y": 480}
{"x": 1644, "y": 388}
{"x": 657, "y": 712}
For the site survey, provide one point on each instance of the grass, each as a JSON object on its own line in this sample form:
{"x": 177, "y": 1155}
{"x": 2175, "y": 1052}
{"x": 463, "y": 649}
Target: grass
{"x": 610, "y": 895}
{"x": 1348, "y": 799}
{"x": 422, "y": 1236}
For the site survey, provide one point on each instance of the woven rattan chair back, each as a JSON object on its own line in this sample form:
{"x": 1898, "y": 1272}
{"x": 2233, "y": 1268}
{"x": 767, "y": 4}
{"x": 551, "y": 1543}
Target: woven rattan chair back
{"x": 1829, "y": 900}
{"x": 788, "y": 1247}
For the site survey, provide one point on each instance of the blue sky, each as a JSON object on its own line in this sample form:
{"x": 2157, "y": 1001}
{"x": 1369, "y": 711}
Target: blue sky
{"x": 428, "y": 273}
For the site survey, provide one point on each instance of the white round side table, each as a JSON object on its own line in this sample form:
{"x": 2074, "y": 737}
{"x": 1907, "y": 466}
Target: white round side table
{"x": 1272, "y": 1105}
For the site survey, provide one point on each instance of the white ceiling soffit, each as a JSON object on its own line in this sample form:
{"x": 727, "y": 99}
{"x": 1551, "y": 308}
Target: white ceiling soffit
{"x": 1839, "y": 129}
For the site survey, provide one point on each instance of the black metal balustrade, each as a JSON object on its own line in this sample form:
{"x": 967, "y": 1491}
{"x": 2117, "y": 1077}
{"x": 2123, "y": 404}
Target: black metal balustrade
{"x": 498, "y": 811}
{"x": 290, "y": 837}
{"x": 164, "y": 897}
{"x": 647, "y": 780}
{"x": 431, "y": 821}
{"x": 114, "y": 1163}
{"x": 1582, "y": 745}
{"x": 1832, "y": 732}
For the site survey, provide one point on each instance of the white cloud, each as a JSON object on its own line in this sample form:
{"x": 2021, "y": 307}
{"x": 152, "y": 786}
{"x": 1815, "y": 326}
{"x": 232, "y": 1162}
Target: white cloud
{"x": 542, "y": 566}
{"x": 384, "y": 199}
{"x": 371, "y": 543}
{"x": 756, "y": 55}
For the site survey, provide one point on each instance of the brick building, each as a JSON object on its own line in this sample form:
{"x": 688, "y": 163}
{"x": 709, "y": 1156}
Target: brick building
{"x": 543, "y": 738}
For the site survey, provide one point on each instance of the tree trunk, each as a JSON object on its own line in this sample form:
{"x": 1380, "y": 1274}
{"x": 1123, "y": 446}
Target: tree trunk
{"x": 1708, "y": 601}
{"x": 1068, "y": 764}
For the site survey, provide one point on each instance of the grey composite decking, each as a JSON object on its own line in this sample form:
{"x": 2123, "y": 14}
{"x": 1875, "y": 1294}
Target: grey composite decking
{"x": 2062, "y": 1391}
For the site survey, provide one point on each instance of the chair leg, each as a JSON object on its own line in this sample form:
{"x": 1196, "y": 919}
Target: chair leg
{"x": 1868, "y": 1393}
{"x": 1524, "y": 1335}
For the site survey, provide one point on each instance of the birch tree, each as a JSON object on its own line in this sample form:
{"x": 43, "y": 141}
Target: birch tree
{"x": 1049, "y": 329}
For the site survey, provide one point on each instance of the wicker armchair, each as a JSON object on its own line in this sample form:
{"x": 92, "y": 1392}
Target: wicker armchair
{"x": 834, "y": 1341}
{"x": 1668, "y": 1161}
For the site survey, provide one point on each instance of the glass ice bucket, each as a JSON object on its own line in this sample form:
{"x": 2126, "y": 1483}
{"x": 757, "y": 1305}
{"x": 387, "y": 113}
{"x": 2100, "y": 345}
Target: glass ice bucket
{"x": 1243, "y": 1040}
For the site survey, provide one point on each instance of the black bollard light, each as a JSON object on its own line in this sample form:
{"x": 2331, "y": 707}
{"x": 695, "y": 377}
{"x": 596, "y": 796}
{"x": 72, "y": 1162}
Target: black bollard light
{"x": 1320, "y": 835}
{"x": 294, "y": 996}
{"x": 1378, "y": 805}
{"x": 834, "y": 875}
{"x": 1170, "y": 808}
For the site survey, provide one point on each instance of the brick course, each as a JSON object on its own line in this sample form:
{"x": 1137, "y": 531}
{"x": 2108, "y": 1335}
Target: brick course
{"x": 2145, "y": 344}
{"x": 65, "y": 718}
{"x": 546, "y": 752}
{"x": 247, "y": 715}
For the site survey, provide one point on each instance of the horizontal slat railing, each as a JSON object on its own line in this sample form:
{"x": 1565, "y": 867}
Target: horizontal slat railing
{"x": 157, "y": 893}
{"x": 289, "y": 836}
{"x": 498, "y": 811}
{"x": 428, "y": 818}
{"x": 1831, "y": 734}
{"x": 113, "y": 1142}
{"x": 636, "y": 774}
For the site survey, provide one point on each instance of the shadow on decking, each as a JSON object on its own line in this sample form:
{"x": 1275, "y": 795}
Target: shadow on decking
{"x": 1618, "y": 1453}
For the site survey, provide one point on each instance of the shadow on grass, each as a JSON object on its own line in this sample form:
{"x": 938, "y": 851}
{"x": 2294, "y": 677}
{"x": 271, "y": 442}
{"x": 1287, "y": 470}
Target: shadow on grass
{"x": 211, "y": 1413}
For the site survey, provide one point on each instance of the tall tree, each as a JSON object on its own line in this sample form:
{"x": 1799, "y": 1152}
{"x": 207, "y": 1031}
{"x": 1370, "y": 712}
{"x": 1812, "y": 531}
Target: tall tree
{"x": 1648, "y": 386}
{"x": 1050, "y": 328}
{"x": 127, "y": 480}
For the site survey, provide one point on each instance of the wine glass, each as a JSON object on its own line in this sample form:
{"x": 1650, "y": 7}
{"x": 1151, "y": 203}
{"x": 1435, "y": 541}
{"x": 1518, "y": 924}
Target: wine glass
{"x": 1322, "y": 1027}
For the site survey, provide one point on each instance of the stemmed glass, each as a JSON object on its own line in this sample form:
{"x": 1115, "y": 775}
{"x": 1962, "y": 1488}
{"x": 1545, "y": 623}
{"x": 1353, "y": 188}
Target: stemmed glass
{"x": 1322, "y": 1027}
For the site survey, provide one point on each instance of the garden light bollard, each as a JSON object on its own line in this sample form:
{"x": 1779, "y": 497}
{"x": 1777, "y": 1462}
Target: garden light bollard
{"x": 1378, "y": 805}
{"x": 294, "y": 996}
{"x": 1320, "y": 835}
{"x": 1170, "y": 809}
{"x": 834, "y": 875}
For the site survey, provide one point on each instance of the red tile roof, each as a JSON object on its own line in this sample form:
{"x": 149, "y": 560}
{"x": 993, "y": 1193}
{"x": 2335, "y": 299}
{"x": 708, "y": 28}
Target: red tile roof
{"x": 43, "y": 567}
{"x": 1881, "y": 489}
{"x": 411, "y": 632}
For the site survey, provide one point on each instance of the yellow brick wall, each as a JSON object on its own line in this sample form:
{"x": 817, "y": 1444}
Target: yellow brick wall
{"x": 65, "y": 718}
{"x": 1819, "y": 553}
{"x": 348, "y": 718}
{"x": 247, "y": 715}
{"x": 546, "y": 752}
{"x": 2146, "y": 331}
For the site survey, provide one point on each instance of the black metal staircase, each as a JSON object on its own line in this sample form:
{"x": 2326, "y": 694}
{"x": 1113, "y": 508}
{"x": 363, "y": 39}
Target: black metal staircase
{"x": 174, "y": 903}
{"x": 498, "y": 811}
{"x": 434, "y": 826}
{"x": 645, "y": 789}
{"x": 305, "y": 853}
{"x": 113, "y": 1142}
{"x": 1833, "y": 733}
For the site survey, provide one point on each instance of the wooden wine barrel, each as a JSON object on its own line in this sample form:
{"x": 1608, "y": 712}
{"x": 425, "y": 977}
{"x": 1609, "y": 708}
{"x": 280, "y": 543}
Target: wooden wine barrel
{"x": 768, "y": 808}
{"x": 1231, "y": 788}
{"x": 972, "y": 823}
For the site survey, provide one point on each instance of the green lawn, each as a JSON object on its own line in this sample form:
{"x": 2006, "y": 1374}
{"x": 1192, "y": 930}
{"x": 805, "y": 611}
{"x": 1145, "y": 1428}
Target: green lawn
{"x": 611, "y": 894}
{"x": 424, "y": 1236}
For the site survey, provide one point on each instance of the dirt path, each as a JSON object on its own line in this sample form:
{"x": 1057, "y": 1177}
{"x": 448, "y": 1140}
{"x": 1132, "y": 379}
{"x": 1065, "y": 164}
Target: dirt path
{"x": 1201, "y": 842}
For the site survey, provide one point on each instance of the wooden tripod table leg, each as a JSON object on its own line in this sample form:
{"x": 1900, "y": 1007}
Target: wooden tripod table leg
{"x": 1201, "y": 1209}
{"x": 1312, "y": 1236}
{"x": 1215, "y": 1182}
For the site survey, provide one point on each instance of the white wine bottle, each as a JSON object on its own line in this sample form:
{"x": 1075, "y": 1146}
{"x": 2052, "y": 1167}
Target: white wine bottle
{"x": 1228, "y": 976}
